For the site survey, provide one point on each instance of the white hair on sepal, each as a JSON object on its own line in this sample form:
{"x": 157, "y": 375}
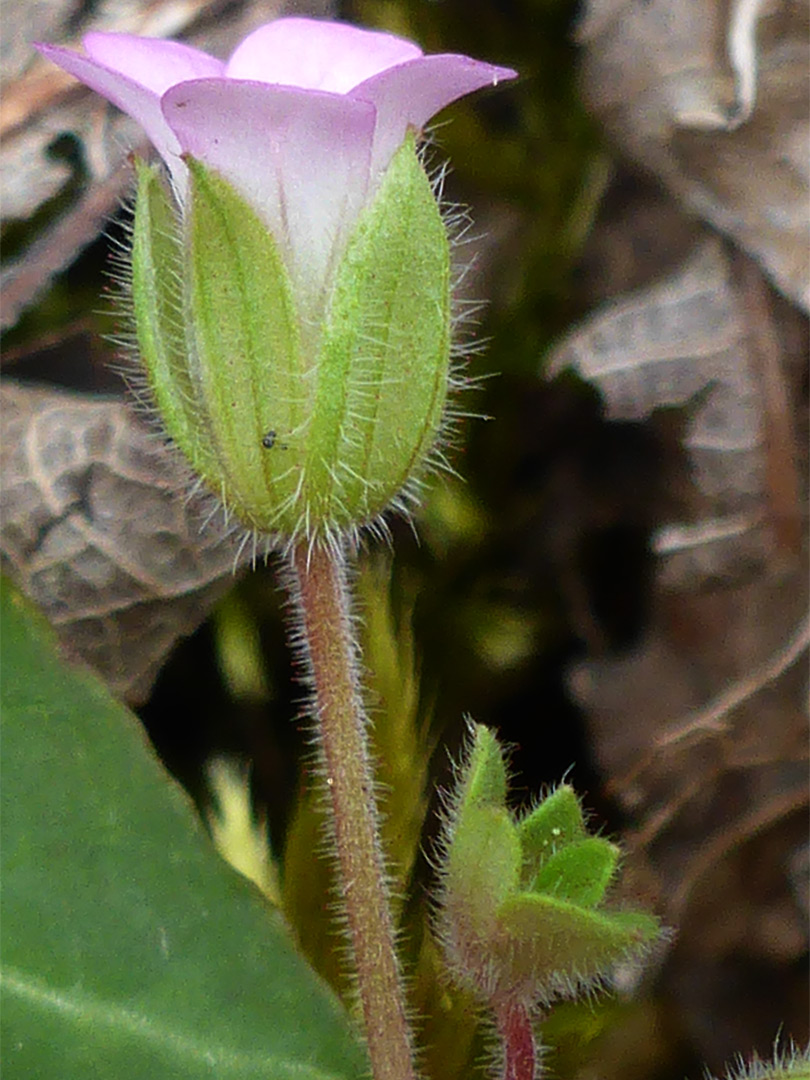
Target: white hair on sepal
{"x": 251, "y": 542}
{"x": 464, "y": 317}
{"x": 209, "y": 507}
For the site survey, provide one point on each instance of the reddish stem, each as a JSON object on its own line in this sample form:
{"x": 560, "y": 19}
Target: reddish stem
{"x": 321, "y": 595}
{"x": 517, "y": 1035}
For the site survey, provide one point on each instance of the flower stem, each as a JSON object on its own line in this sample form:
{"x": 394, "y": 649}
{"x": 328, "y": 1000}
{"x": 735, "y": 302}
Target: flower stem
{"x": 519, "y": 1048}
{"x": 320, "y": 591}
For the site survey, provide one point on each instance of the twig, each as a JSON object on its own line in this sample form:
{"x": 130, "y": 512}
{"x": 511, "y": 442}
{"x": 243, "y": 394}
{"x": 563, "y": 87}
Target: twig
{"x": 714, "y": 717}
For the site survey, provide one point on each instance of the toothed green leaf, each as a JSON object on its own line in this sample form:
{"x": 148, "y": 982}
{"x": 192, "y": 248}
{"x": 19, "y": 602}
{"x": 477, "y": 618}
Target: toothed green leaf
{"x": 555, "y": 822}
{"x": 579, "y": 872}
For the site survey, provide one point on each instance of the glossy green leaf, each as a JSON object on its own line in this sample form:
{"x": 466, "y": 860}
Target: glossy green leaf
{"x": 129, "y": 948}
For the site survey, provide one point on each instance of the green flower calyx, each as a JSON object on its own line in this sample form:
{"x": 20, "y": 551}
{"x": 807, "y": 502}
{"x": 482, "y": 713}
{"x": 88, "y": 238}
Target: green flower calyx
{"x": 304, "y": 426}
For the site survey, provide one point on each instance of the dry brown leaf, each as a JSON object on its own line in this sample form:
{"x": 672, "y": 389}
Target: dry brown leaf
{"x": 712, "y": 97}
{"x": 41, "y": 105}
{"x": 672, "y": 748}
{"x": 685, "y": 342}
{"x": 665, "y": 346}
{"x": 701, "y": 729}
{"x": 97, "y": 530}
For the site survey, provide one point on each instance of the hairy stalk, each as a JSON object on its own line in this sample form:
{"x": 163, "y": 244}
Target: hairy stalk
{"x": 517, "y": 1036}
{"x": 320, "y": 592}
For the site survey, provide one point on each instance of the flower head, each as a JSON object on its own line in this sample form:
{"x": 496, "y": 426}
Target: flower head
{"x": 303, "y": 125}
{"x": 303, "y": 119}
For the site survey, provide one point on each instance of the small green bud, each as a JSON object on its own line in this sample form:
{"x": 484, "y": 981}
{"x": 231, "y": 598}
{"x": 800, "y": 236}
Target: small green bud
{"x": 307, "y": 417}
{"x": 521, "y": 913}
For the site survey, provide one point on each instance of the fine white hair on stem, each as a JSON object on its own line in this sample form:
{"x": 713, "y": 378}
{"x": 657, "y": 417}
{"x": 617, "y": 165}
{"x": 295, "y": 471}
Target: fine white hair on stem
{"x": 322, "y": 726}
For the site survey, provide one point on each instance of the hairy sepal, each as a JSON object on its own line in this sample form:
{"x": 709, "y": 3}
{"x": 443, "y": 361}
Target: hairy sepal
{"x": 383, "y": 371}
{"x": 303, "y": 431}
{"x": 157, "y": 304}
{"x": 244, "y": 356}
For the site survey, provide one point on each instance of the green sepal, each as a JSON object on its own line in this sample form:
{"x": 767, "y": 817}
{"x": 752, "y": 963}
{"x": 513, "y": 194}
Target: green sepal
{"x": 553, "y": 823}
{"x": 158, "y": 309}
{"x": 303, "y": 422}
{"x": 244, "y": 361}
{"x": 553, "y": 945}
{"x": 383, "y": 365}
{"x": 579, "y": 872}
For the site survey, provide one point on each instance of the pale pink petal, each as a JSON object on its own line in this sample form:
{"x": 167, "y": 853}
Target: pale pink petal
{"x": 411, "y": 93}
{"x": 299, "y": 157}
{"x": 317, "y": 55}
{"x": 154, "y": 63}
{"x": 137, "y": 101}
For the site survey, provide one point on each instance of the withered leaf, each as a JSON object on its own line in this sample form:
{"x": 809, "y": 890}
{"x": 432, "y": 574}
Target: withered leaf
{"x": 685, "y": 342}
{"x": 713, "y": 98}
{"x": 700, "y": 728}
{"x": 97, "y": 528}
{"x": 709, "y": 702}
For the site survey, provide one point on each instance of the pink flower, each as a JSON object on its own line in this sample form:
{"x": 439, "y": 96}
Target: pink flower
{"x": 302, "y": 120}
